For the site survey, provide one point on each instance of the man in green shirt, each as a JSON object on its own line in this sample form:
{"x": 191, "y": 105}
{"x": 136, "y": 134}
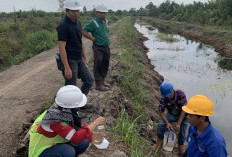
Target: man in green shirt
{"x": 99, "y": 29}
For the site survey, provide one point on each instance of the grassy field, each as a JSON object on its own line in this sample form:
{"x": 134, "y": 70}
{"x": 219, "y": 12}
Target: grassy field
{"x": 25, "y": 34}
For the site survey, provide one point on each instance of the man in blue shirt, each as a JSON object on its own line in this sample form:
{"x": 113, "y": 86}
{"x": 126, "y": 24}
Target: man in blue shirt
{"x": 203, "y": 139}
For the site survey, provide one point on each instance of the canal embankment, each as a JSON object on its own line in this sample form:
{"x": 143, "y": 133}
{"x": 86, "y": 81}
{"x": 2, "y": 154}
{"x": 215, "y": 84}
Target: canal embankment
{"x": 220, "y": 38}
{"x": 194, "y": 67}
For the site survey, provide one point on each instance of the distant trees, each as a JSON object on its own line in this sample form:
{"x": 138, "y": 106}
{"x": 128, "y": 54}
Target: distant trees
{"x": 217, "y": 12}
{"x": 151, "y": 9}
{"x": 214, "y": 12}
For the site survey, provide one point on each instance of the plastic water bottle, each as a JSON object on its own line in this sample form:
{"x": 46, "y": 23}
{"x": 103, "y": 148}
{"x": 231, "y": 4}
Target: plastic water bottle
{"x": 99, "y": 133}
{"x": 169, "y": 140}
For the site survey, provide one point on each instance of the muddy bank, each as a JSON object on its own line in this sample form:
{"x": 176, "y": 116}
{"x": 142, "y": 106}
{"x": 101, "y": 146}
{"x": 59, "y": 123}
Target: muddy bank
{"x": 220, "y": 39}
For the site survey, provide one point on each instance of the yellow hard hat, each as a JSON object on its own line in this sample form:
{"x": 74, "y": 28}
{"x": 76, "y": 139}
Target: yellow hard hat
{"x": 199, "y": 105}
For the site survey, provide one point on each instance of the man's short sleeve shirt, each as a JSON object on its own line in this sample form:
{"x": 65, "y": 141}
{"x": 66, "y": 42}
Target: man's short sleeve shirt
{"x": 174, "y": 105}
{"x": 210, "y": 143}
{"x": 70, "y": 32}
{"x": 99, "y": 30}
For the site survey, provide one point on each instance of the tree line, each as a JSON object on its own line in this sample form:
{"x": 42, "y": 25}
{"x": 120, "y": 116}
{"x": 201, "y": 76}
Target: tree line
{"x": 214, "y": 12}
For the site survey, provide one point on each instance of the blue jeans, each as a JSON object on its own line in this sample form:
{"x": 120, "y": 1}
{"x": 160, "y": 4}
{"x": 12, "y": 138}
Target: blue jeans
{"x": 162, "y": 127}
{"x": 66, "y": 150}
{"x": 80, "y": 70}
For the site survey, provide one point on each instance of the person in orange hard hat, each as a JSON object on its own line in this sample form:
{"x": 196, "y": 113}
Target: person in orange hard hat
{"x": 203, "y": 139}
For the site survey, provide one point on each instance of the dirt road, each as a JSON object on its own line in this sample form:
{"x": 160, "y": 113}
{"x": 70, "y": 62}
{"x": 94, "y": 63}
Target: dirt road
{"x": 23, "y": 91}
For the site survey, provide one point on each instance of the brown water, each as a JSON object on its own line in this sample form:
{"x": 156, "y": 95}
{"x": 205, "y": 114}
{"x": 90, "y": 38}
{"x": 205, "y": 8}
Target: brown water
{"x": 196, "y": 69}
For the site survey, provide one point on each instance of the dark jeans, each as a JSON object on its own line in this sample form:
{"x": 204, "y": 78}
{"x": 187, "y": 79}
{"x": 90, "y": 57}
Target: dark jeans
{"x": 101, "y": 62}
{"x": 162, "y": 127}
{"x": 66, "y": 150}
{"x": 80, "y": 70}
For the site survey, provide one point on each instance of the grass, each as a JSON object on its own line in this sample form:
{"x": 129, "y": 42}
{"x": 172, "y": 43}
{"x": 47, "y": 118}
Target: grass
{"x": 221, "y": 34}
{"x": 31, "y": 33}
{"x": 128, "y": 133}
{"x": 26, "y": 38}
{"x": 166, "y": 37}
{"x": 128, "y": 126}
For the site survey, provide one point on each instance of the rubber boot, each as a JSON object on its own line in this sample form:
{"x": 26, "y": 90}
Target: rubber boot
{"x": 105, "y": 84}
{"x": 100, "y": 87}
{"x": 181, "y": 149}
{"x": 159, "y": 144}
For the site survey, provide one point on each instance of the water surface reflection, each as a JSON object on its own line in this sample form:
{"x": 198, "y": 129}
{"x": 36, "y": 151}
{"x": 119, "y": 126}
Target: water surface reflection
{"x": 197, "y": 69}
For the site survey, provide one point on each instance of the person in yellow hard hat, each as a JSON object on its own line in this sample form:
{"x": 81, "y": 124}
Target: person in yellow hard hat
{"x": 203, "y": 139}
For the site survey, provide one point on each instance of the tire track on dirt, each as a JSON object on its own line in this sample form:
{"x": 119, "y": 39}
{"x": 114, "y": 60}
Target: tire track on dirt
{"x": 23, "y": 90}
{"x": 26, "y": 76}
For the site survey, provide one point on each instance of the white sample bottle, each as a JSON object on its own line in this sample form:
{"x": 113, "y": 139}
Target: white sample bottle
{"x": 99, "y": 133}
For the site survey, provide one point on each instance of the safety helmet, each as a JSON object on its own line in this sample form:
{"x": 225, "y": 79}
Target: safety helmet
{"x": 166, "y": 89}
{"x": 70, "y": 97}
{"x": 102, "y": 8}
{"x": 199, "y": 105}
{"x": 72, "y": 5}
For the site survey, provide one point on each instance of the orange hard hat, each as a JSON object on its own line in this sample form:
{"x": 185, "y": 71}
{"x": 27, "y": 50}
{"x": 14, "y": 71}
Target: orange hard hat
{"x": 199, "y": 105}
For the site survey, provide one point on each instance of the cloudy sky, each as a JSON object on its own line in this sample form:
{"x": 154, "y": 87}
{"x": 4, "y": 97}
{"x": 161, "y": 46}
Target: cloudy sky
{"x": 52, "y": 5}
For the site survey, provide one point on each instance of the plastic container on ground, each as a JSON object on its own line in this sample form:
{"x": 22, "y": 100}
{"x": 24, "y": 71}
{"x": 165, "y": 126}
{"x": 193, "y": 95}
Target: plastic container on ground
{"x": 103, "y": 145}
{"x": 99, "y": 141}
{"x": 169, "y": 140}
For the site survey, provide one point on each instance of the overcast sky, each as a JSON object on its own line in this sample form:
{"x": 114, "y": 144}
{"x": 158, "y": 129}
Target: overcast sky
{"x": 52, "y": 5}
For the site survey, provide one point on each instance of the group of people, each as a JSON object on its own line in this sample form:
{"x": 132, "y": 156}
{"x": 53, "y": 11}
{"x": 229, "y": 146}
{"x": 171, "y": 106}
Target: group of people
{"x": 59, "y": 131}
{"x": 72, "y": 50}
{"x": 203, "y": 139}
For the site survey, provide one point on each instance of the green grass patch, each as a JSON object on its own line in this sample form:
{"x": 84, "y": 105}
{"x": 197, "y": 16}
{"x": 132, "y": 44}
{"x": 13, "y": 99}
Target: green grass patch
{"x": 210, "y": 32}
{"x": 129, "y": 126}
{"x": 39, "y": 41}
{"x": 127, "y": 131}
{"x": 31, "y": 33}
{"x": 166, "y": 37}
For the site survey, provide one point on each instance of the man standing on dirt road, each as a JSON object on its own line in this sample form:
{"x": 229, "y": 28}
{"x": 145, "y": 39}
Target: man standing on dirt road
{"x": 71, "y": 48}
{"x": 99, "y": 29}
{"x": 172, "y": 100}
{"x": 203, "y": 139}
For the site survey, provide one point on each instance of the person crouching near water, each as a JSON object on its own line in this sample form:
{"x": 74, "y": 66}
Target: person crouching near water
{"x": 172, "y": 100}
{"x": 59, "y": 131}
{"x": 203, "y": 139}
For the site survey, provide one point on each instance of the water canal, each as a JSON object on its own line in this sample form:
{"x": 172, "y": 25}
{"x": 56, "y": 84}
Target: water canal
{"x": 196, "y": 69}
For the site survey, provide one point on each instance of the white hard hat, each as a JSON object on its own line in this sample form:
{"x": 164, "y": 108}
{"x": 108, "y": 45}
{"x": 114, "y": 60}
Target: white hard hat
{"x": 72, "y": 5}
{"x": 70, "y": 97}
{"x": 102, "y": 8}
